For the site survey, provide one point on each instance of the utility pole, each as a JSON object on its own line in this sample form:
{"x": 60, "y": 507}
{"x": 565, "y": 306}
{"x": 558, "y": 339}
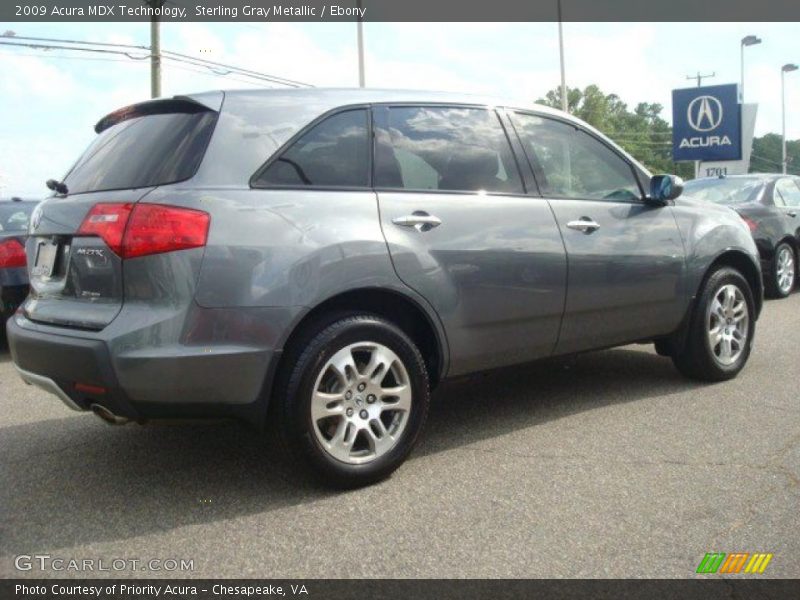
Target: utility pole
{"x": 564, "y": 105}
{"x": 155, "y": 50}
{"x": 699, "y": 79}
{"x": 361, "y": 75}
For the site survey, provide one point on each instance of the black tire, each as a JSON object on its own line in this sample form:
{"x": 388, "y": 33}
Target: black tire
{"x": 773, "y": 287}
{"x": 697, "y": 359}
{"x": 293, "y": 410}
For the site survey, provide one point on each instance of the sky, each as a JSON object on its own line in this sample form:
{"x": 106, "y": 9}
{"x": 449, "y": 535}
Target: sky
{"x": 50, "y": 101}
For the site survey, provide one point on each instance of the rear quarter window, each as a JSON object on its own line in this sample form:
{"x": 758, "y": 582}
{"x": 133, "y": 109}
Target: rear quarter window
{"x": 332, "y": 153}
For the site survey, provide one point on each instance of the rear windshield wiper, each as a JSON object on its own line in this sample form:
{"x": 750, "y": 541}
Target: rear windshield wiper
{"x": 57, "y": 186}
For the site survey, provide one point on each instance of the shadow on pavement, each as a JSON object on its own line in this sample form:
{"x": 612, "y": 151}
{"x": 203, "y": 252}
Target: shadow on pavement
{"x": 75, "y": 480}
{"x": 5, "y": 355}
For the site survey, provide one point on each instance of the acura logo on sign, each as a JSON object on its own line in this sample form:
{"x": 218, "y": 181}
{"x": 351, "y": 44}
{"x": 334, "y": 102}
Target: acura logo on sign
{"x": 704, "y": 113}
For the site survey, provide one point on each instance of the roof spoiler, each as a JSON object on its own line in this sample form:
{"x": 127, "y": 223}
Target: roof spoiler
{"x": 177, "y": 104}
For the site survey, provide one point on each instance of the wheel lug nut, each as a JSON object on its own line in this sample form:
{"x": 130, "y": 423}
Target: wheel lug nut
{"x": 362, "y": 387}
{"x": 371, "y": 398}
{"x": 364, "y": 414}
{"x": 349, "y": 412}
{"x": 348, "y": 395}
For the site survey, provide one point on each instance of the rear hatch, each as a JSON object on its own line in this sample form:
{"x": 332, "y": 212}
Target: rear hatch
{"x": 79, "y": 238}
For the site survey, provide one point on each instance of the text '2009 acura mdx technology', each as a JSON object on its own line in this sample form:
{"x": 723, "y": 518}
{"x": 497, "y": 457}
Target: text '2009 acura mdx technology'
{"x": 320, "y": 259}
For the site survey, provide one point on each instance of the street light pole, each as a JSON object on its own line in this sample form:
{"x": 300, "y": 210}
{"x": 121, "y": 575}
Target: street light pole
{"x": 748, "y": 40}
{"x": 564, "y": 105}
{"x": 787, "y": 68}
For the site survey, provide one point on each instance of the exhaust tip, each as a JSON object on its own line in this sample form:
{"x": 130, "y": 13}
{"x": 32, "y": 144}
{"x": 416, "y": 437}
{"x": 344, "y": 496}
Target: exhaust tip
{"x": 107, "y": 415}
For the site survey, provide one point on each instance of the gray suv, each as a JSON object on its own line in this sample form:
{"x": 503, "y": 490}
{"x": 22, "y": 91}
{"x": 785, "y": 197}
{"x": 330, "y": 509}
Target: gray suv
{"x": 319, "y": 260}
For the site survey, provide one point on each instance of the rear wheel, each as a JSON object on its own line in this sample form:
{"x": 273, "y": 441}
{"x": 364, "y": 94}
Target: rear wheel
{"x": 783, "y": 272}
{"x": 356, "y": 401}
{"x": 721, "y": 329}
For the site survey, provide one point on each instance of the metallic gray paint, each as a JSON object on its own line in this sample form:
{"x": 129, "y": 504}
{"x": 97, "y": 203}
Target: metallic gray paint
{"x": 501, "y": 280}
{"x": 494, "y": 271}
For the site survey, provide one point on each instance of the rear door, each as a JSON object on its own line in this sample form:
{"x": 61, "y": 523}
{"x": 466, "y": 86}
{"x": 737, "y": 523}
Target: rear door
{"x": 76, "y": 276}
{"x": 787, "y": 198}
{"x": 626, "y": 259}
{"x": 463, "y": 233}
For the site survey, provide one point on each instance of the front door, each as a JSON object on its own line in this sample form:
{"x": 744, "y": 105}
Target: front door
{"x": 626, "y": 259}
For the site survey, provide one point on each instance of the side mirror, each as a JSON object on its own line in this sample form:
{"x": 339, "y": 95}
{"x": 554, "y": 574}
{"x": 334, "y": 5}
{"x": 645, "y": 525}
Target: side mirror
{"x": 664, "y": 188}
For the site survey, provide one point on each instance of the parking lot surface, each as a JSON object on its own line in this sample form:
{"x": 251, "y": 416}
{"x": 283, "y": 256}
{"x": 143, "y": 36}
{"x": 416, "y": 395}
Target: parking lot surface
{"x": 607, "y": 464}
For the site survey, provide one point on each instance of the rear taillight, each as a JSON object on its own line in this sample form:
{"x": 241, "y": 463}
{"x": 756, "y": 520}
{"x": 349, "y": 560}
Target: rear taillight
{"x": 132, "y": 230}
{"x": 108, "y": 221}
{"x": 750, "y": 223}
{"x": 12, "y": 254}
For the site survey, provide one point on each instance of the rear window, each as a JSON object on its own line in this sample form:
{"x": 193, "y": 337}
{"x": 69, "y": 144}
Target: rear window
{"x": 144, "y": 151}
{"x": 724, "y": 191}
{"x": 14, "y": 217}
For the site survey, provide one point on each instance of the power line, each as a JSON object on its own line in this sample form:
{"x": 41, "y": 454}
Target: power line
{"x": 55, "y": 47}
{"x": 205, "y": 72}
{"x": 105, "y": 48}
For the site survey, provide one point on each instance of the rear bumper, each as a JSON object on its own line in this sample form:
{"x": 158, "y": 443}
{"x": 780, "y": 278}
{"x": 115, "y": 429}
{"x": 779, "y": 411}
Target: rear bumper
{"x": 48, "y": 385}
{"x": 56, "y": 363}
{"x": 165, "y": 382}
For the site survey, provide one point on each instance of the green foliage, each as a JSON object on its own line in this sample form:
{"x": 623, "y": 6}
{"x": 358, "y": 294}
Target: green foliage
{"x": 648, "y": 137}
{"x": 766, "y": 156}
{"x": 641, "y": 131}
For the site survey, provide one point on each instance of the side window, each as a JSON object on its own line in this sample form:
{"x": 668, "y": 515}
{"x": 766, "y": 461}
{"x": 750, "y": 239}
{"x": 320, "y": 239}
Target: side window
{"x": 334, "y": 153}
{"x": 787, "y": 193}
{"x": 444, "y": 148}
{"x": 570, "y": 163}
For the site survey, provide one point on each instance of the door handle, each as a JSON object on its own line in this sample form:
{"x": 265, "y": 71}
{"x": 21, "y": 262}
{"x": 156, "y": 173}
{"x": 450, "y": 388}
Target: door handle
{"x": 792, "y": 213}
{"x": 419, "y": 220}
{"x": 584, "y": 224}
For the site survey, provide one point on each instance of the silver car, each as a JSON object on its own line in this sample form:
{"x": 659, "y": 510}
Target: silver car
{"x": 319, "y": 260}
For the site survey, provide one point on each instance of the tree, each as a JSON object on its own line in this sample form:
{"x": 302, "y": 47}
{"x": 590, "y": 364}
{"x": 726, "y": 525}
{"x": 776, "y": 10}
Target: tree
{"x": 766, "y": 156}
{"x": 641, "y": 132}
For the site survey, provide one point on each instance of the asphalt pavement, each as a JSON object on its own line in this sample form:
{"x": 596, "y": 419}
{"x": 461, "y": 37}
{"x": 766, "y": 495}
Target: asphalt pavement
{"x": 608, "y": 464}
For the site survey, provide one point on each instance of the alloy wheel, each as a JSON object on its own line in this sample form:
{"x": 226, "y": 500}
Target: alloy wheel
{"x": 728, "y": 324}
{"x": 785, "y": 271}
{"x": 361, "y": 403}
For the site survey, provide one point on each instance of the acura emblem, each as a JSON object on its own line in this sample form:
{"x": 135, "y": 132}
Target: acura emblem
{"x": 704, "y": 113}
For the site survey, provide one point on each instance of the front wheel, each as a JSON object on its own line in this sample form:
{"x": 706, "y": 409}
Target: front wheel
{"x": 356, "y": 401}
{"x": 721, "y": 329}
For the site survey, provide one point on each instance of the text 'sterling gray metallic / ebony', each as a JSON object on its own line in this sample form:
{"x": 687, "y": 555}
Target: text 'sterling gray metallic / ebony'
{"x": 318, "y": 260}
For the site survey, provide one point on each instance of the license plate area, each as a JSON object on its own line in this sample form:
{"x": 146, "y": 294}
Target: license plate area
{"x": 46, "y": 256}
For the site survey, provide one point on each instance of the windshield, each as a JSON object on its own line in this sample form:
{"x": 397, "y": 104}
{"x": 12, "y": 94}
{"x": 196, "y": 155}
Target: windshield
{"x": 14, "y": 217}
{"x": 144, "y": 151}
{"x": 724, "y": 191}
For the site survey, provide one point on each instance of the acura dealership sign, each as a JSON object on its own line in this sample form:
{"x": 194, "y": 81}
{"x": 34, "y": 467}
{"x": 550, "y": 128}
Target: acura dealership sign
{"x": 706, "y": 123}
